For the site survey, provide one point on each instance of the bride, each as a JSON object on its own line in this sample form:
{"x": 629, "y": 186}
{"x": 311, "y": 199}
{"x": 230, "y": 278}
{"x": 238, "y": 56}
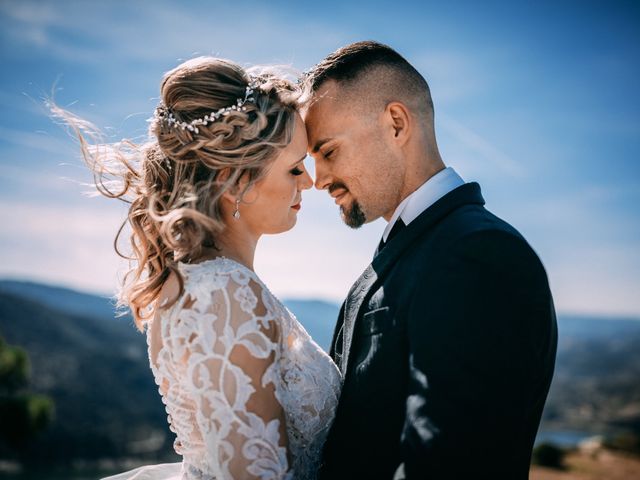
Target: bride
{"x": 248, "y": 393}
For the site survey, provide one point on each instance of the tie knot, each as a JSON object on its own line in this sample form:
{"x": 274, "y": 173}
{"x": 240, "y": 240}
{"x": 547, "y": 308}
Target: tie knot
{"x": 397, "y": 227}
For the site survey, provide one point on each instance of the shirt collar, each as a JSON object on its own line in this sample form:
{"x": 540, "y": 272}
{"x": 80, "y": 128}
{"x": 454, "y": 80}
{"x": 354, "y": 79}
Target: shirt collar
{"x": 426, "y": 195}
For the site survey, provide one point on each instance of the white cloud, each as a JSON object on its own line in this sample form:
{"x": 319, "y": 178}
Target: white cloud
{"x": 40, "y": 141}
{"x": 597, "y": 280}
{"x": 73, "y": 245}
{"x": 451, "y": 75}
{"x": 588, "y": 247}
{"x": 66, "y": 244}
{"x": 34, "y": 24}
{"x": 33, "y": 13}
{"x": 456, "y": 75}
{"x": 157, "y": 31}
{"x": 321, "y": 257}
{"x": 481, "y": 147}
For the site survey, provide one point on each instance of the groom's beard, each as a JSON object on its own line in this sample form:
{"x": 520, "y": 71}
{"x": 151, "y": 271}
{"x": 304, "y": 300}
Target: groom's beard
{"x": 354, "y": 216}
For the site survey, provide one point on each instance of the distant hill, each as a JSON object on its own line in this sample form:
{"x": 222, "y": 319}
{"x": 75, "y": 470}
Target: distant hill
{"x": 96, "y": 369}
{"x": 596, "y": 385}
{"x": 97, "y": 373}
{"x": 61, "y": 298}
{"x": 319, "y": 316}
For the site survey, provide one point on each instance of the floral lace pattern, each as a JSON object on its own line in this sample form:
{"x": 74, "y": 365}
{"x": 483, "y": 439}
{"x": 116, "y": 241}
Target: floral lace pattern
{"x": 248, "y": 393}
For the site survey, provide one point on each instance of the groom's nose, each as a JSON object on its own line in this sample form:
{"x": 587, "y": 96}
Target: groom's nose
{"x": 323, "y": 179}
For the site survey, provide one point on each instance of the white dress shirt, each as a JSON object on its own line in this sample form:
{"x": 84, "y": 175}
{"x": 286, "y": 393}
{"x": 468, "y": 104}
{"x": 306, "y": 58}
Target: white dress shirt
{"x": 426, "y": 195}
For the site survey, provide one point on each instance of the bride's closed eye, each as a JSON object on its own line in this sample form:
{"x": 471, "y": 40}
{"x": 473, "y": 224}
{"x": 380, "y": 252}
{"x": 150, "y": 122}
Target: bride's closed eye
{"x": 296, "y": 171}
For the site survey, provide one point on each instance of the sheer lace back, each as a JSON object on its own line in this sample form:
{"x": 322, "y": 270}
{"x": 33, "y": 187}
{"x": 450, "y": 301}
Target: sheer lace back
{"x": 248, "y": 393}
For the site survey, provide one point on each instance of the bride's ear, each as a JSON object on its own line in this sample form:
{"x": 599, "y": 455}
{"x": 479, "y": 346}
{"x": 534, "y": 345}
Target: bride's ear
{"x": 232, "y": 192}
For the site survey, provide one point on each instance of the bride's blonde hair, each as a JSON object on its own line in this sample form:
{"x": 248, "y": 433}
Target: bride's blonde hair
{"x": 174, "y": 182}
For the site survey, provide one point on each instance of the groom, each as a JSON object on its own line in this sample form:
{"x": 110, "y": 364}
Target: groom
{"x": 447, "y": 341}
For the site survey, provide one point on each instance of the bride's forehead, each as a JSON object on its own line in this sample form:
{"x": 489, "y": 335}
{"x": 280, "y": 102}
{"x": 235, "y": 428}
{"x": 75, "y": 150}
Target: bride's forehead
{"x": 300, "y": 133}
{"x": 296, "y": 150}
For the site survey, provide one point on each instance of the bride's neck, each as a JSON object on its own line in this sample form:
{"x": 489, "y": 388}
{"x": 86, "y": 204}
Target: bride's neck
{"x": 237, "y": 243}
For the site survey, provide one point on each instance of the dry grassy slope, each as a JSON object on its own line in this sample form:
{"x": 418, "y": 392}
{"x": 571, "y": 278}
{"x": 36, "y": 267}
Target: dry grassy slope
{"x": 604, "y": 465}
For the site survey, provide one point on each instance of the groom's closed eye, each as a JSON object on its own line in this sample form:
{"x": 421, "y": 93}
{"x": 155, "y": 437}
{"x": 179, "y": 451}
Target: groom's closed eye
{"x": 329, "y": 151}
{"x": 326, "y": 148}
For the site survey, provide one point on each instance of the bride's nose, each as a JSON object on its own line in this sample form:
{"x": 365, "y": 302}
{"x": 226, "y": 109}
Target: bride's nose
{"x": 306, "y": 182}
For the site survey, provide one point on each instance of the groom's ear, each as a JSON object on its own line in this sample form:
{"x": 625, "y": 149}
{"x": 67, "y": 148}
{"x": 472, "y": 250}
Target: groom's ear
{"x": 400, "y": 122}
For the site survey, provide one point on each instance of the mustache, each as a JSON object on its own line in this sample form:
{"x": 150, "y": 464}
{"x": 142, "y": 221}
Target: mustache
{"x": 336, "y": 186}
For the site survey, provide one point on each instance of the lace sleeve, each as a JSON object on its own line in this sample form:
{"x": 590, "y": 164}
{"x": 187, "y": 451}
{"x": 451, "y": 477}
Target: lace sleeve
{"x": 233, "y": 369}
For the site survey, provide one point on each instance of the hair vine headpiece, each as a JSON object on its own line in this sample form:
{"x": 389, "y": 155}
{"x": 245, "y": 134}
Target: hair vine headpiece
{"x": 162, "y": 112}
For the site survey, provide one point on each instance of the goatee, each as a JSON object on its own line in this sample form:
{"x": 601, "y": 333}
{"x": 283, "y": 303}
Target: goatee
{"x": 354, "y": 216}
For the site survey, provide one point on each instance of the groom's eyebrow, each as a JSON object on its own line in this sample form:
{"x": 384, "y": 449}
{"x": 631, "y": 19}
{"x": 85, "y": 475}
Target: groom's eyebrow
{"x": 319, "y": 144}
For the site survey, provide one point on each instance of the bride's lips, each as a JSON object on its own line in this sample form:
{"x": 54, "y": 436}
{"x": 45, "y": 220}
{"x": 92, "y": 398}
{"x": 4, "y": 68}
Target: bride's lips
{"x": 297, "y": 206}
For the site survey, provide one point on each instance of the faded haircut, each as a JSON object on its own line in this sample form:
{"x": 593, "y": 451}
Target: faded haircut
{"x": 373, "y": 73}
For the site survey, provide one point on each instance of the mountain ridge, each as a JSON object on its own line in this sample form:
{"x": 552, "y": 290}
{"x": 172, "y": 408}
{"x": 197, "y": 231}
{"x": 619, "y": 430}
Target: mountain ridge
{"x": 95, "y": 368}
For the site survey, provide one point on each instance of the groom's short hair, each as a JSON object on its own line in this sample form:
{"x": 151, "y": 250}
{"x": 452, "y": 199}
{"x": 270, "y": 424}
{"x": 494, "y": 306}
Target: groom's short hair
{"x": 377, "y": 67}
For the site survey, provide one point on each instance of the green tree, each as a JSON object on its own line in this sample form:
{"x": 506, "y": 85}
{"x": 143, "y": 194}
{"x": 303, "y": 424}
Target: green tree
{"x": 22, "y": 414}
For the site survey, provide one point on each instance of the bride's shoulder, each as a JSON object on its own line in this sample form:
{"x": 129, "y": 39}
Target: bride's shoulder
{"x": 223, "y": 273}
{"x": 217, "y": 271}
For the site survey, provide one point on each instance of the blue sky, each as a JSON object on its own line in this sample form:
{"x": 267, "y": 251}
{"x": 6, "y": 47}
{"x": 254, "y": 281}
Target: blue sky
{"x": 537, "y": 101}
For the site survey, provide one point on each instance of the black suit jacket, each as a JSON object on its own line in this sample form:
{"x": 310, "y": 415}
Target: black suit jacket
{"x": 447, "y": 346}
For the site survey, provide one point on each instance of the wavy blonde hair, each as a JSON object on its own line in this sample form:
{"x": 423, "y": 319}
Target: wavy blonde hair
{"x": 174, "y": 182}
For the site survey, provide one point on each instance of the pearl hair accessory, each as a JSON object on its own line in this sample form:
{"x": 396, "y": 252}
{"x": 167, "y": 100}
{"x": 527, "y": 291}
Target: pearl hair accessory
{"x": 165, "y": 114}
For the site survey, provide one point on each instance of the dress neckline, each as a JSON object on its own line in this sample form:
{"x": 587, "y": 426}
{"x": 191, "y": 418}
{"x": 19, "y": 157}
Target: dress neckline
{"x": 242, "y": 266}
{"x": 215, "y": 259}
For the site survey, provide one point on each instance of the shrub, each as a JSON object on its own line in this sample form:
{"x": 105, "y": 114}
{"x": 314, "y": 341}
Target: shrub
{"x": 548, "y": 455}
{"x": 626, "y": 442}
{"x": 23, "y": 414}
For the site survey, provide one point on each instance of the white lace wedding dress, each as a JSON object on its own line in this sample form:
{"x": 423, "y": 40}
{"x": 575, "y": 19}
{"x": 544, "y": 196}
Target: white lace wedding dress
{"x": 248, "y": 393}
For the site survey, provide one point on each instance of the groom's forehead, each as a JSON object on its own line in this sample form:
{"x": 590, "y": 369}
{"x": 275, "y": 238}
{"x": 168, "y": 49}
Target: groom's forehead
{"x": 328, "y": 91}
{"x": 326, "y": 107}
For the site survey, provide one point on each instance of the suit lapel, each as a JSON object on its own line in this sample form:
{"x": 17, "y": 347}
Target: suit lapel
{"x": 352, "y": 304}
{"x": 336, "y": 353}
{"x": 468, "y": 193}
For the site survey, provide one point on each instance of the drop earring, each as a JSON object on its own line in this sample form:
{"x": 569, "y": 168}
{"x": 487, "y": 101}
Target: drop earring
{"x": 236, "y": 214}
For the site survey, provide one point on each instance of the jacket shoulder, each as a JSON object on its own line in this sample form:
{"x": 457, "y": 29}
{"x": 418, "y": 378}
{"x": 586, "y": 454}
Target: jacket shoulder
{"x": 473, "y": 233}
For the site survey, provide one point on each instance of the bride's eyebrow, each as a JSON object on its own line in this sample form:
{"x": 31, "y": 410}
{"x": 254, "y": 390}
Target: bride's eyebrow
{"x": 298, "y": 161}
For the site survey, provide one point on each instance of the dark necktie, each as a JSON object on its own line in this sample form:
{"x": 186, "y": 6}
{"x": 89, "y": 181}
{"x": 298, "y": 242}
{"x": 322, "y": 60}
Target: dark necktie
{"x": 397, "y": 227}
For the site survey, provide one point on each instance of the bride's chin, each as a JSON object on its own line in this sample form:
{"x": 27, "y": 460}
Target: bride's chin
{"x": 294, "y": 221}
{"x": 284, "y": 228}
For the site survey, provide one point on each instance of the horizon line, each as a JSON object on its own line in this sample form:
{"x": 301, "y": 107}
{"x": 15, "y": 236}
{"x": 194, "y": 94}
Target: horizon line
{"x": 307, "y": 298}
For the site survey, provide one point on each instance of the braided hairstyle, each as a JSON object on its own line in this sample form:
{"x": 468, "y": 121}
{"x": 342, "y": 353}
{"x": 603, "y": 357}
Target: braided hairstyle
{"x": 175, "y": 182}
